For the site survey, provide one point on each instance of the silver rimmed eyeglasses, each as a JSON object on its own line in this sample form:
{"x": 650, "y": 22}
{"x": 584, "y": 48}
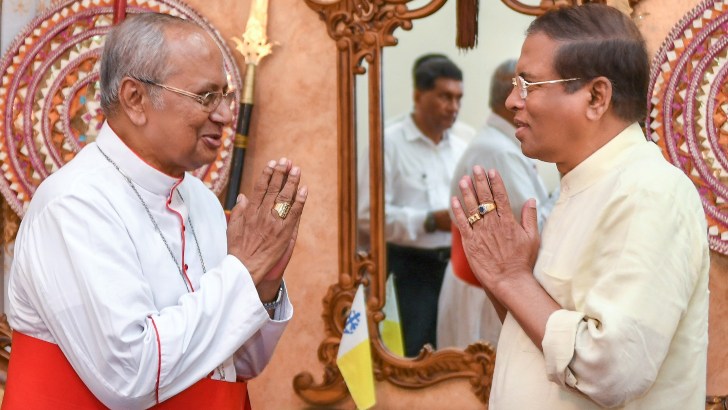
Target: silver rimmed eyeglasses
{"x": 208, "y": 101}
{"x": 522, "y": 85}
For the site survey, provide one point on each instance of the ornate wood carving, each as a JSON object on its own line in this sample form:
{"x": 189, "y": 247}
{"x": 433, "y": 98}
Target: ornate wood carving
{"x": 361, "y": 28}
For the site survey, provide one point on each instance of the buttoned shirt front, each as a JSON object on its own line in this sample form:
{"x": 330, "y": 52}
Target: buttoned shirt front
{"x": 417, "y": 175}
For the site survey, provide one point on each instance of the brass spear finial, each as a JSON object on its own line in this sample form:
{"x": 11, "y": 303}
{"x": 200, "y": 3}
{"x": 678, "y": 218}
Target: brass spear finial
{"x": 254, "y": 45}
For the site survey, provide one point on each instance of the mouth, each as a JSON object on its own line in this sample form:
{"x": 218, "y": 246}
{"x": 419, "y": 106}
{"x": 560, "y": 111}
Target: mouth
{"x": 213, "y": 141}
{"x": 520, "y": 127}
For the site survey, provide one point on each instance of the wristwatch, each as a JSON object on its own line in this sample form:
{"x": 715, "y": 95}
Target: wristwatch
{"x": 277, "y": 302}
{"x": 430, "y": 225}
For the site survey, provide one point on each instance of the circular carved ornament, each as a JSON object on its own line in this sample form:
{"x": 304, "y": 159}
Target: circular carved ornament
{"x": 49, "y": 102}
{"x": 688, "y": 108}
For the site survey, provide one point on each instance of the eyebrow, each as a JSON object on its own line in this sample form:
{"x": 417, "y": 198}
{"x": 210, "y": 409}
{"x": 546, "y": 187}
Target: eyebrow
{"x": 209, "y": 86}
{"x": 524, "y": 74}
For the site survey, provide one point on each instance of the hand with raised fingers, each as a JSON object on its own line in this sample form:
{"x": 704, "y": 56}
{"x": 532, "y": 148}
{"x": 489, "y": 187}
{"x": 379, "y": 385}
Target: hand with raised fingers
{"x": 495, "y": 243}
{"x": 262, "y": 229}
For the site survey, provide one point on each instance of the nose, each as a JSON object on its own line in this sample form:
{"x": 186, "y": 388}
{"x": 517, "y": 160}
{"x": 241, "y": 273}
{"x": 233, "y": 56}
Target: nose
{"x": 454, "y": 105}
{"x": 223, "y": 114}
{"x": 514, "y": 102}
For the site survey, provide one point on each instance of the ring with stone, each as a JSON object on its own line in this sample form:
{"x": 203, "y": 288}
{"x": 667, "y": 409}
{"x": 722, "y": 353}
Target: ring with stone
{"x": 486, "y": 207}
{"x": 282, "y": 208}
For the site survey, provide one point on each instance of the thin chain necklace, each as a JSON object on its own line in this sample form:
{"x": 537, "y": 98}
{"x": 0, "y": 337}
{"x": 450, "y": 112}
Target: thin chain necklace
{"x": 188, "y": 286}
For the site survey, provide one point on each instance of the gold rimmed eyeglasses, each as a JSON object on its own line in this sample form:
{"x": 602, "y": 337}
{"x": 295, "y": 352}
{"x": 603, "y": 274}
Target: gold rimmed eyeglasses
{"x": 209, "y": 101}
{"x": 522, "y": 85}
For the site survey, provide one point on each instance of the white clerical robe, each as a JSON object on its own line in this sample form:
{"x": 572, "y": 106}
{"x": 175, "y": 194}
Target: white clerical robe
{"x": 92, "y": 275}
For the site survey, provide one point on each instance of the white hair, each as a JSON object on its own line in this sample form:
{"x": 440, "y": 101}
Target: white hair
{"x": 136, "y": 48}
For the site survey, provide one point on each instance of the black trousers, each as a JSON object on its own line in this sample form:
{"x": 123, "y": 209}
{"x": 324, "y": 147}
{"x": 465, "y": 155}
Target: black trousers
{"x": 418, "y": 275}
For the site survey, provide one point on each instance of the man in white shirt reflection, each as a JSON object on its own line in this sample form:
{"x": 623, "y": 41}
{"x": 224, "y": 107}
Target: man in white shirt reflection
{"x": 420, "y": 153}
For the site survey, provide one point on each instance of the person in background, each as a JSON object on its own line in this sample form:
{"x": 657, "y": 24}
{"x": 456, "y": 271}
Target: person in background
{"x": 459, "y": 129}
{"x": 420, "y": 153}
{"x": 465, "y": 313}
{"x": 129, "y": 288}
{"x": 611, "y": 310}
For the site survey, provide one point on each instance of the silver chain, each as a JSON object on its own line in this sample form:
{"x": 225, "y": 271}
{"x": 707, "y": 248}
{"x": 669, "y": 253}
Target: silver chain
{"x": 161, "y": 234}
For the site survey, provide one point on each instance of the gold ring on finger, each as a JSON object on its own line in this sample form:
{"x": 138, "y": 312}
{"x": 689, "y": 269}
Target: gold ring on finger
{"x": 486, "y": 207}
{"x": 282, "y": 208}
{"x": 473, "y": 218}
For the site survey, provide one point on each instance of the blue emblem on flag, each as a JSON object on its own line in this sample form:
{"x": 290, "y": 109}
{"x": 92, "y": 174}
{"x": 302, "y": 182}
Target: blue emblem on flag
{"x": 352, "y": 322}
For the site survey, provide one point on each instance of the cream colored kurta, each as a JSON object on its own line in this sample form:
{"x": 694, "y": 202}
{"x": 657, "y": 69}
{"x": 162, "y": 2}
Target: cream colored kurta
{"x": 92, "y": 275}
{"x": 625, "y": 253}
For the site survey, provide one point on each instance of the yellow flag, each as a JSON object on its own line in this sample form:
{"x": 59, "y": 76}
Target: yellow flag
{"x": 389, "y": 328}
{"x": 355, "y": 357}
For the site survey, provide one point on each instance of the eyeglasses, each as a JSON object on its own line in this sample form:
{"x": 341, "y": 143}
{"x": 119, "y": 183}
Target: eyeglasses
{"x": 209, "y": 101}
{"x": 522, "y": 85}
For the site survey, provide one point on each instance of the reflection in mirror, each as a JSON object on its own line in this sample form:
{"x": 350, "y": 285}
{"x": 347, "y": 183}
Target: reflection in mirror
{"x": 420, "y": 163}
{"x": 363, "y": 239}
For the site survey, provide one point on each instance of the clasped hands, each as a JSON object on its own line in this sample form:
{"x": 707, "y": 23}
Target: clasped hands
{"x": 262, "y": 229}
{"x": 498, "y": 247}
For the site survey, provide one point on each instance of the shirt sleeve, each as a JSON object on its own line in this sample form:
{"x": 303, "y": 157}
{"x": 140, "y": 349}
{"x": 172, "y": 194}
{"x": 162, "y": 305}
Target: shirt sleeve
{"x": 629, "y": 299}
{"x": 91, "y": 293}
{"x": 402, "y": 223}
{"x": 254, "y": 355}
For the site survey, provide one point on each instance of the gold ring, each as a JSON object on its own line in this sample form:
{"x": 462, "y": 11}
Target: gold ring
{"x": 473, "y": 219}
{"x": 486, "y": 207}
{"x": 282, "y": 208}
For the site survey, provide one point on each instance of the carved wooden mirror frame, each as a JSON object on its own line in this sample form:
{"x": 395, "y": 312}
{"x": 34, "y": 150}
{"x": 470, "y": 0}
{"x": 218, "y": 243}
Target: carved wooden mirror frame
{"x": 361, "y": 29}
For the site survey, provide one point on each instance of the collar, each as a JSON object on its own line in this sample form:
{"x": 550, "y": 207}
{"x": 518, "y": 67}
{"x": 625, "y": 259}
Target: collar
{"x": 411, "y": 132}
{"x": 132, "y": 165}
{"x": 605, "y": 159}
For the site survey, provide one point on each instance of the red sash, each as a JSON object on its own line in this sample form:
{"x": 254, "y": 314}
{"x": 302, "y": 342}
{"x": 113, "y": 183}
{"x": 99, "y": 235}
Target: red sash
{"x": 40, "y": 377}
{"x": 460, "y": 265}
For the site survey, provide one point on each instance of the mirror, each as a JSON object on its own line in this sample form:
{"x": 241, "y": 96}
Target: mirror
{"x": 502, "y": 32}
{"x": 361, "y": 29}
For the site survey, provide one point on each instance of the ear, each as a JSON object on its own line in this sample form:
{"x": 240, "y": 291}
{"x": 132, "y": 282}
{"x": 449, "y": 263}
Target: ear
{"x": 134, "y": 100}
{"x": 416, "y": 95}
{"x": 600, "y": 93}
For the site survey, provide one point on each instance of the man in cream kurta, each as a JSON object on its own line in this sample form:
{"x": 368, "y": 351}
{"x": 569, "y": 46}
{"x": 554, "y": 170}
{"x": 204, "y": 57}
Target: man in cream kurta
{"x": 126, "y": 262}
{"x": 612, "y": 310}
{"x": 632, "y": 287}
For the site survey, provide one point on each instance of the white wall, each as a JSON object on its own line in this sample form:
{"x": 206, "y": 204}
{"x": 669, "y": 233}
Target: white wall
{"x": 501, "y": 34}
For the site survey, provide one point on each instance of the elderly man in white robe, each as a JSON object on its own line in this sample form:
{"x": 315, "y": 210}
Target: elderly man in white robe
{"x": 129, "y": 286}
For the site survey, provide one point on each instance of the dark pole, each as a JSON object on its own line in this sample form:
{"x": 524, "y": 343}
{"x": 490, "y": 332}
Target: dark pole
{"x": 241, "y": 138}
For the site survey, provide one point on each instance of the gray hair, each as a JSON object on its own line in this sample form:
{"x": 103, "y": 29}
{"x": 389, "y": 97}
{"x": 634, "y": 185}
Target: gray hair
{"x": 501, "y": 83}
{"x": 136, "y": 48}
